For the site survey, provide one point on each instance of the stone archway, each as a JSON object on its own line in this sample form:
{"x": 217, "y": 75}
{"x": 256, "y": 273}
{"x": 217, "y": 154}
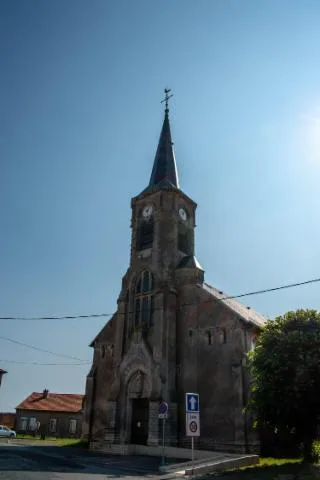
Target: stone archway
{"x": 136, "y": 384}
{"x": 139, "y": 404}
{"x": 137, "y": 391}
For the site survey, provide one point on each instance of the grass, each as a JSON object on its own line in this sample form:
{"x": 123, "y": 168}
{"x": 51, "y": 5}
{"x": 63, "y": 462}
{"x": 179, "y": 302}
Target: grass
{"x": 273, "y": 469}
{"x": 58, "y": 442}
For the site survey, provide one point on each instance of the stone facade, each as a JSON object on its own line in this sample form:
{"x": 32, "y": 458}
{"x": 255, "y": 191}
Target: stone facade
{"x": 172, "y": 333}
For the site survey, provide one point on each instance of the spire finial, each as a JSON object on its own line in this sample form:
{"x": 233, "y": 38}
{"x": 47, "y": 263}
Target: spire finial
{"x": 167, "y": 98}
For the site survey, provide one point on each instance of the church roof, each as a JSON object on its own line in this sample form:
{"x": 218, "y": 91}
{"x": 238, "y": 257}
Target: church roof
{"x": 189, "y": 261}
{"x": 246, "y": 313}
{"x": 164, "y": 172}
{"x": 107, "y": 327}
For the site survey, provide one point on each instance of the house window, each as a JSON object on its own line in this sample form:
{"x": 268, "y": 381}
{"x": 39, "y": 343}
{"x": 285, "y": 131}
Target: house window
{"x": 209, "y": 336}
{"x": 143, "y": 309}
{"x": 53, "y": 425}
{"x": 72, "y": 426}
{"x": 32, "y": 424}
{"x": 23, "y": 423}
{"x": 103, "y": 351}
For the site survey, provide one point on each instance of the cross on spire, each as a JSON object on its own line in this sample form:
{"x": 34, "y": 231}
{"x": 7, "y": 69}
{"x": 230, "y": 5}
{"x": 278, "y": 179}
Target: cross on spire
{"x": 167, "y": 98}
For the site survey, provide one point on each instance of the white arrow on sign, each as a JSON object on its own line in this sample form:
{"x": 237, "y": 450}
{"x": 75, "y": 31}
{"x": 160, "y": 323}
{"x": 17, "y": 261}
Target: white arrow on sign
{"x": 193, "y": 403}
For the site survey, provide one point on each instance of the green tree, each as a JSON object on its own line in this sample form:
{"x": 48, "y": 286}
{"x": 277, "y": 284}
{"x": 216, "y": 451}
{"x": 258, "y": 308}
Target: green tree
{"x": 285, "y": 369}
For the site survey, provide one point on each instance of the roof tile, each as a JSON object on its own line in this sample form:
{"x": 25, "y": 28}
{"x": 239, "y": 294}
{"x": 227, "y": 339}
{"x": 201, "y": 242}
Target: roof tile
{"x": 54, "y": 402}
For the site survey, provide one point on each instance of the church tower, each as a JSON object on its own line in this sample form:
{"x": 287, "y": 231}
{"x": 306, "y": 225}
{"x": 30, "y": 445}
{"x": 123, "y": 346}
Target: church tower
{"x": 163, "y": 217}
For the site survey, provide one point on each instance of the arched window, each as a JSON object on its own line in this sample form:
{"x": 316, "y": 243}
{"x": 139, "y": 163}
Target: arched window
{"x": 143, "y": 309}
{"x": 223, "y": 336}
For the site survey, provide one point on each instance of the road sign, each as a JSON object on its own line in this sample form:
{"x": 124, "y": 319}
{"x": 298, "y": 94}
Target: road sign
{"x": 193, "y": 424}
{"x": 163, "y": 408}
{"x": 163, "y": 415}
{"x": 192, "y": 403}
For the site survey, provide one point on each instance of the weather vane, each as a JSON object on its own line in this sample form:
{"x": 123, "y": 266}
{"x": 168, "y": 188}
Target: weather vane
{"x": 167, "y": 97}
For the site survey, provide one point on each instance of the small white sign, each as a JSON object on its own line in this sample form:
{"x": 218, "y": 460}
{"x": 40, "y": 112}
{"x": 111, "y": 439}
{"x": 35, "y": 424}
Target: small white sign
{"x": 163, "y": 415}
{"x": 193, "y": 425}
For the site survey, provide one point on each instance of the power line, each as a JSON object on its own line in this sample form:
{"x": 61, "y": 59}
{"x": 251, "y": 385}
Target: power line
{"x": 63, "y": 317}
{"x": 85, "y": 362}
{"x": 282, "y": 287}
{"x": 99, "y": 315}
{"x": 41, "y": 363}
{"x": 41, "y": 349}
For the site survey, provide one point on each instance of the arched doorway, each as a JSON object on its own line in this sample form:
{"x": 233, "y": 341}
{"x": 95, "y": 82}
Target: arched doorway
{"x": 139, "y": 408}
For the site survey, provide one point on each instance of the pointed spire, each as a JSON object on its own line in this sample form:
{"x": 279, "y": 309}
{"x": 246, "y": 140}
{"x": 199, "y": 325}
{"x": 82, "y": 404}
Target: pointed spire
{"x": 164, "y": 173}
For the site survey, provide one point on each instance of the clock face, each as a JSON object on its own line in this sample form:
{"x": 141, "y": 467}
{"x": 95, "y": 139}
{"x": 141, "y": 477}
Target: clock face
{"x": 147, "y": 211}
{"x": 183, "y": 214}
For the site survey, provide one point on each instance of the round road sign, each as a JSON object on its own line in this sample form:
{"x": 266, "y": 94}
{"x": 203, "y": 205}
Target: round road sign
{"x": 193, "y": 427}
{"x": 163, "y": 407}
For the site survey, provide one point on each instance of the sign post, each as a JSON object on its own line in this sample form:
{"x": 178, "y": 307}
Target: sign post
{"x": 192, "y": 420}
{"x": 163, "y": 415}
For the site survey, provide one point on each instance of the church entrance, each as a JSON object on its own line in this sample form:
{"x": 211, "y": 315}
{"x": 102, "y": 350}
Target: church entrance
{"x": 140, "y": 421}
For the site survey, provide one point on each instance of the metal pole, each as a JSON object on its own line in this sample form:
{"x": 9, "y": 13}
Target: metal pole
{"x": 163, "y": 425}
{"x": 192, "y": 452}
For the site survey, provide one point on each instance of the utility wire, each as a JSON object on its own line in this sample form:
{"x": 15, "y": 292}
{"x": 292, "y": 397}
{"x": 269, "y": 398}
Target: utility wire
{"x": 42, "y": 349}
{"x": 85, "y": 362}
{"x": 99, "y": 315}
{"x": 41, "y": 363}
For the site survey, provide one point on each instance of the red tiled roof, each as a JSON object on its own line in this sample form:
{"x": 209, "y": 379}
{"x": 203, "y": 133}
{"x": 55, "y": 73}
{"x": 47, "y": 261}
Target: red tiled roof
{"x": 54, "y": 402}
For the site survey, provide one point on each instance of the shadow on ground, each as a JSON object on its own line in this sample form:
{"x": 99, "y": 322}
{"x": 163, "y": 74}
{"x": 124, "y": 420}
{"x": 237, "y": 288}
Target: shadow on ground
{"x": 66, "y": 460}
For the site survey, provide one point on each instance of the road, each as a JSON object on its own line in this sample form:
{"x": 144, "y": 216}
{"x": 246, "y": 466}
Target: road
{"x": 57, "y": 463}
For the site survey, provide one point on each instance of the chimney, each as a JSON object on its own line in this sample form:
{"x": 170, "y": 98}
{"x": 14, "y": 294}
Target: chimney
{"x": 45, "y": 393}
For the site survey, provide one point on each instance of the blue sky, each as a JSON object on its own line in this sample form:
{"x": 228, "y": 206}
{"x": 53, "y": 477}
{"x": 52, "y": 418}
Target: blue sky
{"x": 81, "y": 85}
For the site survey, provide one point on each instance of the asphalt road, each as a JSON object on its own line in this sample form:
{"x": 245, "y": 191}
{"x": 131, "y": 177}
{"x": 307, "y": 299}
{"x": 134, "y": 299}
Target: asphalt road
{"x": 57, "y": 463}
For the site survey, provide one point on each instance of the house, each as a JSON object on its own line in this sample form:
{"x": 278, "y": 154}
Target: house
{"x": 8, "y": 419}
{"x": 2, "y": 372}
{"x": 172, "y": 333}
{"x": 55, "y": 414}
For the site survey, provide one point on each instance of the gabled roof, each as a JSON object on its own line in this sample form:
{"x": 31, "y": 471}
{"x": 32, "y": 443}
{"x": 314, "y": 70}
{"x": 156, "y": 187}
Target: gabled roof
{"x": 106, "y": 327}
{"x": 54, "y": 402}
{"x": 246, "y": 313}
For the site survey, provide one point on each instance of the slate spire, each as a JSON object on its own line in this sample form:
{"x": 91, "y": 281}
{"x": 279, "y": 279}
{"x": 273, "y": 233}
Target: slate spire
{"x": 164, "y": 172}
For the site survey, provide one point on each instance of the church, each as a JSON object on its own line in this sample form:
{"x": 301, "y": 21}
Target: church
{"x": 172, "y": 333}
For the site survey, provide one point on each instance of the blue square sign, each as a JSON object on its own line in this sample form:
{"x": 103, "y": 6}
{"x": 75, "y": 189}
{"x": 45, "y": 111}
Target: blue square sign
{"x": 192, "y": 403}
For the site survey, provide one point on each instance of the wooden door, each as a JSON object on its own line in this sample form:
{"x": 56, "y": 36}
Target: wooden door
{"x": 140, "y": 421}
